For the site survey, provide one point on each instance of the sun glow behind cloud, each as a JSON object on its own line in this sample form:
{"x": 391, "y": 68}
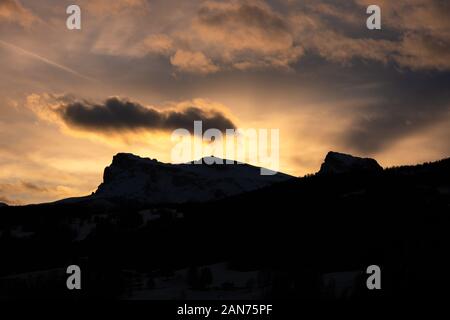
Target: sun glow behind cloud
{"x": 307, "y": 68}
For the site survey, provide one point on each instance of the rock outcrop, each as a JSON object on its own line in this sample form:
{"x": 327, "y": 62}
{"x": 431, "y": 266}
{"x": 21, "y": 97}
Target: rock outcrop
{"x": 145, "y": 180}
{"x": 338, "y": 163}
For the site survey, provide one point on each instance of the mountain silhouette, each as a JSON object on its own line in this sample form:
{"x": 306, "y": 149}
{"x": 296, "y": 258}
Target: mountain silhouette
{"x": 145, "y": 180}
{"x": 338, "y": 163}
{"x": 143, "y": 234}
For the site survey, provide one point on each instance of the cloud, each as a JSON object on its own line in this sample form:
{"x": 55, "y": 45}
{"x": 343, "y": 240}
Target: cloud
{"x": 204, "y": 37}
{"x": 10, "y": 193}
{"x": 244, "y": 35}
{"x": 13, "y": 11}
{"x": 117, "y": 115}
{"x": 422, "y": 51}
{"x": 154, "y": 43}
{"x": 194, "y": 62}
{"x": 107, "y": 7}
{"x": 253, "y": 34}
{"x": 6, "y": 200}
{"x": 405, "y": 109}
{"x": 23, "y": 186}
{"x": 225, "y": 35}
{"x": 34, "y": 187}
{"x": 423, "y": 28}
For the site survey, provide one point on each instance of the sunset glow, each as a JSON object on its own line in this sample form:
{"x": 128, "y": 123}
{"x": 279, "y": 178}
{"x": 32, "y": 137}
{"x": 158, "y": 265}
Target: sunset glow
{"x": 308, "y": 68}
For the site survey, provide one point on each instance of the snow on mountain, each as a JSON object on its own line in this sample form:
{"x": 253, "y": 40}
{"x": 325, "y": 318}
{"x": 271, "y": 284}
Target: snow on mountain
{"x": 336, "y": 163}
{"x": 145, "y": 180}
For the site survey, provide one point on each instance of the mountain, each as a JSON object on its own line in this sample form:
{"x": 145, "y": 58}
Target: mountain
{"x": 338, "y": 163}
{"x": 145, "y": 180}
{"x": 307, "y": 238}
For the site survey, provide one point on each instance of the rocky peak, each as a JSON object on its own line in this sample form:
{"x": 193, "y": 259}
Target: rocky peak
{"x": 126, "y": 162}
{"x": 337, "y": 163}
{"x": 147, "y": 180}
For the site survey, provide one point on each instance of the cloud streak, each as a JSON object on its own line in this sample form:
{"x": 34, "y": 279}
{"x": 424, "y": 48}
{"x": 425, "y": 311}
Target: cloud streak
{"x": 44, "y": 60}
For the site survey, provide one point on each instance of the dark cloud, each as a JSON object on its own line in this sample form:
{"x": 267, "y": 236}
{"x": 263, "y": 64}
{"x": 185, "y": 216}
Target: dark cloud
{"x": 117, "y": 114}
{"x": 33, "y": 187}
{"x": 407, "y": 107}
{"x": 250, "y": 15}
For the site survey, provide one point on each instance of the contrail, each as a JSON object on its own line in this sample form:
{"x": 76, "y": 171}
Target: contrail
{"x": 45, "y": 60}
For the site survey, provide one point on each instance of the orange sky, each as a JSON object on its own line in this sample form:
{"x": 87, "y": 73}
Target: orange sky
{"x": 308, "y": 68}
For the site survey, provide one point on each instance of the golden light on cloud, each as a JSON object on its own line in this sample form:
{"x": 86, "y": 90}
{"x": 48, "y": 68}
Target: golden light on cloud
{"x": 13, "y": 11}
{"x": 225, "y": 63}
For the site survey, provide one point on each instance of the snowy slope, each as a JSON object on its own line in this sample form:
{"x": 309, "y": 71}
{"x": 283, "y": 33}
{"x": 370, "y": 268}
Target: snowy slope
{"x": 147, "y": 180}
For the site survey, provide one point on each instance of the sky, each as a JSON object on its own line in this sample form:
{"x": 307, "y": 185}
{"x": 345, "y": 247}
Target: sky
{"x": 138, "y": 69}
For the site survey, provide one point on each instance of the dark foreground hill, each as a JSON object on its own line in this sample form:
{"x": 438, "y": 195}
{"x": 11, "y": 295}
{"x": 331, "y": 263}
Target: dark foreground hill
{"x": 302, "y": 238}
